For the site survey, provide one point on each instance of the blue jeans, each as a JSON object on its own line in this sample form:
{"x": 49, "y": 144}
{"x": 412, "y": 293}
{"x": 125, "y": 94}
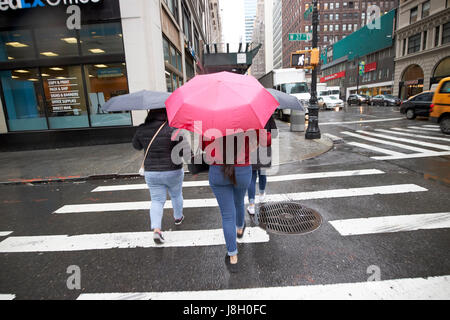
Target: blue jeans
{"x": 231, "y": 201}
{"x": 159, "y": 182}
{"x": 252, "y": 186}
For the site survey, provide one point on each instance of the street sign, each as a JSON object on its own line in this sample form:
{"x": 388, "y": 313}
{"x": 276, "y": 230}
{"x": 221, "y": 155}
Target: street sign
{"x": 308, "y": 12}
{"x": 300, "y": 36}
{"x": 362, "y": 65}
{"x": 305, "y": 59}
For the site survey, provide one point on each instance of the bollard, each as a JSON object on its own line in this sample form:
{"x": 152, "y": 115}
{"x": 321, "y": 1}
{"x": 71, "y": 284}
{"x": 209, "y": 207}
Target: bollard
{"x": 297, "y": 121}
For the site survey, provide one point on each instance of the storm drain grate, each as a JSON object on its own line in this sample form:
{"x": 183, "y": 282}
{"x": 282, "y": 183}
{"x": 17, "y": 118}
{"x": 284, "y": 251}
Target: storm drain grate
{"x": 287, "y": 217}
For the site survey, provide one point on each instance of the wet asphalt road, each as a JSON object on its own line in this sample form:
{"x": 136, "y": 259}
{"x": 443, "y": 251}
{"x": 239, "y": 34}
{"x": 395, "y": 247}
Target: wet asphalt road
{"x": 321, "y": 257}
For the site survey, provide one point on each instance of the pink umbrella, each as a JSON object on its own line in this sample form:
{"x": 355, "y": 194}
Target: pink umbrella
{"x": 220, "y": 101}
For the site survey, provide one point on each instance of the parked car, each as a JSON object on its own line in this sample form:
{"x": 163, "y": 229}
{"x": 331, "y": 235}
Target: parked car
{"x": 357, "y": 99}
{"x": 330, "y": 102}
{"x": 440, "y": 108}
{"x": 386, "y": 100}
{"x": 418, "y": 105}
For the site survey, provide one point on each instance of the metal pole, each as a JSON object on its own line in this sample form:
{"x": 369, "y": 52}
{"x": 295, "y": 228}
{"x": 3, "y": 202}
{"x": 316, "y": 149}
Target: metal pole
{"x": 357, "y": 75}
{"x": 313, "y": 131}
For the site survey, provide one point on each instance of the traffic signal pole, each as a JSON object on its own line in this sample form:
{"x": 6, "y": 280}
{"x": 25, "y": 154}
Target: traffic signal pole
{"x": 313, "y": 131}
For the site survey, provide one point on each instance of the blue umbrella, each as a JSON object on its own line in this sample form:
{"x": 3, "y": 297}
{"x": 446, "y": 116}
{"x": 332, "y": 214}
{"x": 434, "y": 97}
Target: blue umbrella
{"x": 141, "y": 100}
{"x": 286, "y": 101}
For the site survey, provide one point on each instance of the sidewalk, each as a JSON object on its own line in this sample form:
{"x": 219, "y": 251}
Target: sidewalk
{"x": 121, "y": 160}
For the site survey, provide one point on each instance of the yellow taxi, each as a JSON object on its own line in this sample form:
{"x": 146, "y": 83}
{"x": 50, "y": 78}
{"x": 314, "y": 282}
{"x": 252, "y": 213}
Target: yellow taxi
{"x": 440, "y": 108}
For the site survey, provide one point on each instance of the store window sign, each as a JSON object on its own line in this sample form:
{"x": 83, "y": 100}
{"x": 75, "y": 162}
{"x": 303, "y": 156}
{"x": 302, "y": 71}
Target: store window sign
{"x": 370, "y": 67}
{"x": 64, "y": 95}
{"x": 27, "y": 4}
{"x": 109, "y": 73}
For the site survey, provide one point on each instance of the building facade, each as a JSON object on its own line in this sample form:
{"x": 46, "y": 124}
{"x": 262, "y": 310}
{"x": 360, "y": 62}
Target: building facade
{"x": 58, "y": 67}
{"x": 337, "y": 19}
{"x": 277, "y": 35}
{"x": 343, "y": 59}
{"x": 423, "y": 45}
{"x": 250, "y": 7}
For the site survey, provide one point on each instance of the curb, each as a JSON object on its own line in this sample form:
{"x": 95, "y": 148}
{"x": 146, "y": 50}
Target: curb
{"x": 323, "y": 140}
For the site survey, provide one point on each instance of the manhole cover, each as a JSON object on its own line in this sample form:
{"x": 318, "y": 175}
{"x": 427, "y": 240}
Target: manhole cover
{"x": 288, "y": 217}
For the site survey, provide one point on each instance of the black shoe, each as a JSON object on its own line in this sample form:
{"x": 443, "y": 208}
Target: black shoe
{"x": 158, "y": 238}
{"x": 233, "y": 268}
{"x": 179, "y": 221}
{"x": 243, "y": 230}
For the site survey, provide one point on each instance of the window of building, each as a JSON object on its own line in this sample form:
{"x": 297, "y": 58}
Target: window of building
{"x": 173, "y": 7}
{"x": 404, "y": 47}
{"x": 325, "y": 28}
{"x": 425, "y": 9}
{"x": 337, "y": 5}
{"x": 331, "y": 27}
{"x": 24, "y": 103}
{"x": 101, "y": 85}
{"x": 413, "y": 15}
{"x": 57, "y": 42}
{"x": 101, "y": 38}
{"x": 344, "y": 27}
{"x": 16, "y": 45}
{"x": 336, "y": 27}
{"x": 436, "y": 35}
{"x": 425, "y": 38}
{"x": 65, "y": 97}
{"x": 446, "y": 33}
{"x": 337, "y": 16}
{"x": 414, "y": 43}
{"x": 331, "y": 6}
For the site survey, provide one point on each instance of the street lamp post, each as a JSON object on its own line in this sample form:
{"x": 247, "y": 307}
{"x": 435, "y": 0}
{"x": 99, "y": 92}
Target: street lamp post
{"x": 313, "y": 131}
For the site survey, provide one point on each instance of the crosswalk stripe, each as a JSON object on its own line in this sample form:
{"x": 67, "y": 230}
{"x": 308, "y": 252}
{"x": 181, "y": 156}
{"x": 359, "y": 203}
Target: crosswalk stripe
{"x": 377, "y": 149}
{"x": 437, "y": 288}
{"x": 421, "y": 143}
{"x": 4, "y": 297}
{"x": 190, "y": 238}
{"x": 425, "y": 129}
{"x": 413, "y": 135}
{"x": 388, "y": 224}
{"x": 399, "y": 145}
{"x": 431, "y": 126}
{"x": 291, "y": 177}
{"x": 5, "y": 233}
{"x": 361, "y": 121}
{"x": 212, "y": 202}
{"x": 413, "y": 156}
{"x": 412, "y": 130}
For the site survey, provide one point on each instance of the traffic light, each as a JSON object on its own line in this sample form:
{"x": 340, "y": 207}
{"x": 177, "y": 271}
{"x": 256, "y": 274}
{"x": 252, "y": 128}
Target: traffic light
{"x": 305, "y": 59}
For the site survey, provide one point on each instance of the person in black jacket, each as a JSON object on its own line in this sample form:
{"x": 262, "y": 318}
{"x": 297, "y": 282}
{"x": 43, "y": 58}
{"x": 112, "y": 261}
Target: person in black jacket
{"x": 258, "y": 169}
{"x": 161, "y": 173}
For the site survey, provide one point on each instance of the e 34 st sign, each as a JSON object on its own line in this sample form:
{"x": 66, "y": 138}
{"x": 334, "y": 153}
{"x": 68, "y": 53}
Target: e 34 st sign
{"x": 25, "y": 4}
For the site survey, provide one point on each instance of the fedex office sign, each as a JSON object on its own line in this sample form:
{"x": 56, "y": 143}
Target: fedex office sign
{"x": 25, "y": 4}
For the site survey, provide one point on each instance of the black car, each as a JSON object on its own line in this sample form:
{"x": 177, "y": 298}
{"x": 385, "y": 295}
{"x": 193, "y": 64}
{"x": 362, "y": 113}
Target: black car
{"x": 357, "y": 99}
{"x": 418, "y": 105}
{"x": 386, "y": 100}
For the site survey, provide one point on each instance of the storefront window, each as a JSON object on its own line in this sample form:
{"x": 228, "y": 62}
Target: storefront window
{"x": 103, "y": 83}
{"x": 16, "y": 45}
{"x": 23, "y": 100}
{"x": 56, "y": 42}
{"x": 65, "y": 99}
{"x": 102, "y": 38}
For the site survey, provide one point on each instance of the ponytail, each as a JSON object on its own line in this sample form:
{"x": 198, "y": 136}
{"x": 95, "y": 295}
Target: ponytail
{"x": 229, "y": 172}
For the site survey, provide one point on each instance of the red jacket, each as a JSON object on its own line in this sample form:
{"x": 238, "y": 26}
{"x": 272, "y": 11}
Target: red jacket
{"x": 242, "y": 157}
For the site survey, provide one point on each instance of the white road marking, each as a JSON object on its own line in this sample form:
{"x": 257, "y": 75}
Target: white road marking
{"x": 413, "y": 156}
{"x": 431, "y": 126}
{"x": 435, "y": 288}
{"x": 191, "y": 238}
{"x": 425, "y": 129}
{"x": 212, "y": 202}
{"x": 4, "y": 297}
{"x": 421, "y": 143}
{"x": 5, "y": 233}
{"x": 373, "y": 148}
{"x": 332, "y": 137}
{"x": 399, "y": 145}
{"x": 413, "y": 135}
{"x": 388, "y": 224}
{"x": 360, "y": 121}
{"x": 411, "y": 130}
{"x": 291, "y": 177}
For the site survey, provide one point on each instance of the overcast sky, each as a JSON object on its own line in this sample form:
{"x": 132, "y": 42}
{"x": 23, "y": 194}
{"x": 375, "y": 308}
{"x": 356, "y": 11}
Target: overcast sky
{"x": 233, "y": 23}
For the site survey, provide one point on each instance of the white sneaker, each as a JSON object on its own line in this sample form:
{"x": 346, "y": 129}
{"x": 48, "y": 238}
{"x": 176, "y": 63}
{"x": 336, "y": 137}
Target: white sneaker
{"x": 251, "y": 209}
{"x": 262, "y": 197}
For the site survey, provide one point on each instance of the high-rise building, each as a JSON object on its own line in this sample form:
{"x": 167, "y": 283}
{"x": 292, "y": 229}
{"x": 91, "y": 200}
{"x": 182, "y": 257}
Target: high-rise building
{"x": 337, "y": 19}
{"x": 423, "y": 45}
{"x": 258, "y": 68}
{"x": 277, "y": 35}
{"x": 250, "y": 15}
{"x": 215, "y": 24}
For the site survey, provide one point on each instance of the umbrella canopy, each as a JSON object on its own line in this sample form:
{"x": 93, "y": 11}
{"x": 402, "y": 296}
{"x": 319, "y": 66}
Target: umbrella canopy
{"x": 286, "y": 101}
{"x": 141, "y": 100}
{"x": 220, "y": 101}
